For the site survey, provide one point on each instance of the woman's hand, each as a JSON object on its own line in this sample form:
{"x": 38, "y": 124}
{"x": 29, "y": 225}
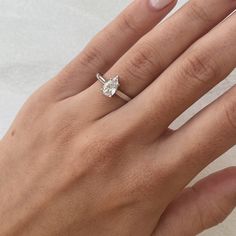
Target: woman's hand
{"x": 75, "y": 162}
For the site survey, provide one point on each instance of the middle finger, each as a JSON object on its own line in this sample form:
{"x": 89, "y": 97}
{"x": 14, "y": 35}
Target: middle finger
{"x": 146, "y": 60}
{"x": 192, "y": 75}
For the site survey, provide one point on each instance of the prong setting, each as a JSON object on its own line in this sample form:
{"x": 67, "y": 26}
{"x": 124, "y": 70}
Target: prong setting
{"x": 110, "y": 87}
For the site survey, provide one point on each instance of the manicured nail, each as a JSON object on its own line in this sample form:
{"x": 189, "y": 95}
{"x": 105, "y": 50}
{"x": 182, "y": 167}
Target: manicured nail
{"x": 160, "y": 4}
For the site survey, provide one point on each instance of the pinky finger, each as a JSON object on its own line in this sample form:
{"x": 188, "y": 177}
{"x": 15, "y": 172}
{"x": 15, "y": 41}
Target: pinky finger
{"x": 200, "y": 207}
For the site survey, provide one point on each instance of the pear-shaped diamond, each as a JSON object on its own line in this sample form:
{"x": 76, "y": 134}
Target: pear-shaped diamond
{"x": 110, "y": 87}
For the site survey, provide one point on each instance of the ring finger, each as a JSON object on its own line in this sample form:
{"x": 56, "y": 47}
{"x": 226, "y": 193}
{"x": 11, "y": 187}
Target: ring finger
{"x": 136, "y": 20}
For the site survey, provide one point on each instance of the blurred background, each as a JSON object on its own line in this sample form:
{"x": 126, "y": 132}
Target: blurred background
{"x": 37, "y": 38}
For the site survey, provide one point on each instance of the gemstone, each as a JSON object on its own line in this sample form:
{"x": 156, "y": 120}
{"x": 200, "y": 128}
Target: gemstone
{"x": 110, "y": 88}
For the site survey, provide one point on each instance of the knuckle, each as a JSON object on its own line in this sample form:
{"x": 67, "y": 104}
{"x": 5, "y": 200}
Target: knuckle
{"x": 61, "y": 130}
{"x": 202, "y": 68}
{"x": 230, "y": 111}
{"x": 217, "y": 215}
{"x": 127, "y": 23}
{"x": 205, "y": 219}
{"x": 142, "y": 63}
{"x": 91, "y": 56}
{"x": 198, "y": 12}
{"x": 202, "y": 220}
{"x": 100, "y": 151}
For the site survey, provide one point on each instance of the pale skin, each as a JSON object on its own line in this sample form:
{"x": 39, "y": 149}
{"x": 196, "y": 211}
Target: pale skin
{"x": 75, "y": 162}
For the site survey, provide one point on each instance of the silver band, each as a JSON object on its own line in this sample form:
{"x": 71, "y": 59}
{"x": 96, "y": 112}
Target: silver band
{"x": 110, "y": 87}
{"x": 100, "y": 78}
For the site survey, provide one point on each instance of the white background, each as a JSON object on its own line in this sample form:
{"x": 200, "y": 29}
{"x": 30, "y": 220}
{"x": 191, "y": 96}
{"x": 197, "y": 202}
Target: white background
{"x": 37, "y": 38}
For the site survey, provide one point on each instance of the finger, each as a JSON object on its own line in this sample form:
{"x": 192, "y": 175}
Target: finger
{"x": 199, "y": 69}
{"x": 200, "y": 207}
{"x": 203, "y": 139}
{"x": 109, "y": 45}
{"x": 144, "y": 62}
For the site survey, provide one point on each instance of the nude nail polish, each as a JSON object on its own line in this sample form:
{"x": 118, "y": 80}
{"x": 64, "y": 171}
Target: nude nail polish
{"x": 160, "y": 4}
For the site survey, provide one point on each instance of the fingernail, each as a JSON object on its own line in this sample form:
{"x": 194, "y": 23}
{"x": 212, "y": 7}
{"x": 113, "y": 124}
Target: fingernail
{"x": 160, "y": 4}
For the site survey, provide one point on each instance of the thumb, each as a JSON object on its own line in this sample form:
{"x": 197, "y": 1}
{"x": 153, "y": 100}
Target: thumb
{"x": 200, "y": 207}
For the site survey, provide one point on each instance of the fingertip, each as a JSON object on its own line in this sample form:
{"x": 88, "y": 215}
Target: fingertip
{"x": 161, "y": 4}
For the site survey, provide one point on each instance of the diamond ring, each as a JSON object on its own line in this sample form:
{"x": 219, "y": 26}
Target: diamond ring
{"x": 110, "y": 87}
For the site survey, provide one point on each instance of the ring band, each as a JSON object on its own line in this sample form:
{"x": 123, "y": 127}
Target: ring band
{"x": 110, "y": 87}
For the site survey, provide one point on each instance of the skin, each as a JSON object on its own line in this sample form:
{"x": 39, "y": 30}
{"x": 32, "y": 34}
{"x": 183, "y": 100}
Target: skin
{"x": 75, "y": 162}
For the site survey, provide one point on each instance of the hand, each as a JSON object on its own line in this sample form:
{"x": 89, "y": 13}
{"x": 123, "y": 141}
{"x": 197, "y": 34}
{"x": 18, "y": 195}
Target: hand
{"x": 75, "y": 162}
